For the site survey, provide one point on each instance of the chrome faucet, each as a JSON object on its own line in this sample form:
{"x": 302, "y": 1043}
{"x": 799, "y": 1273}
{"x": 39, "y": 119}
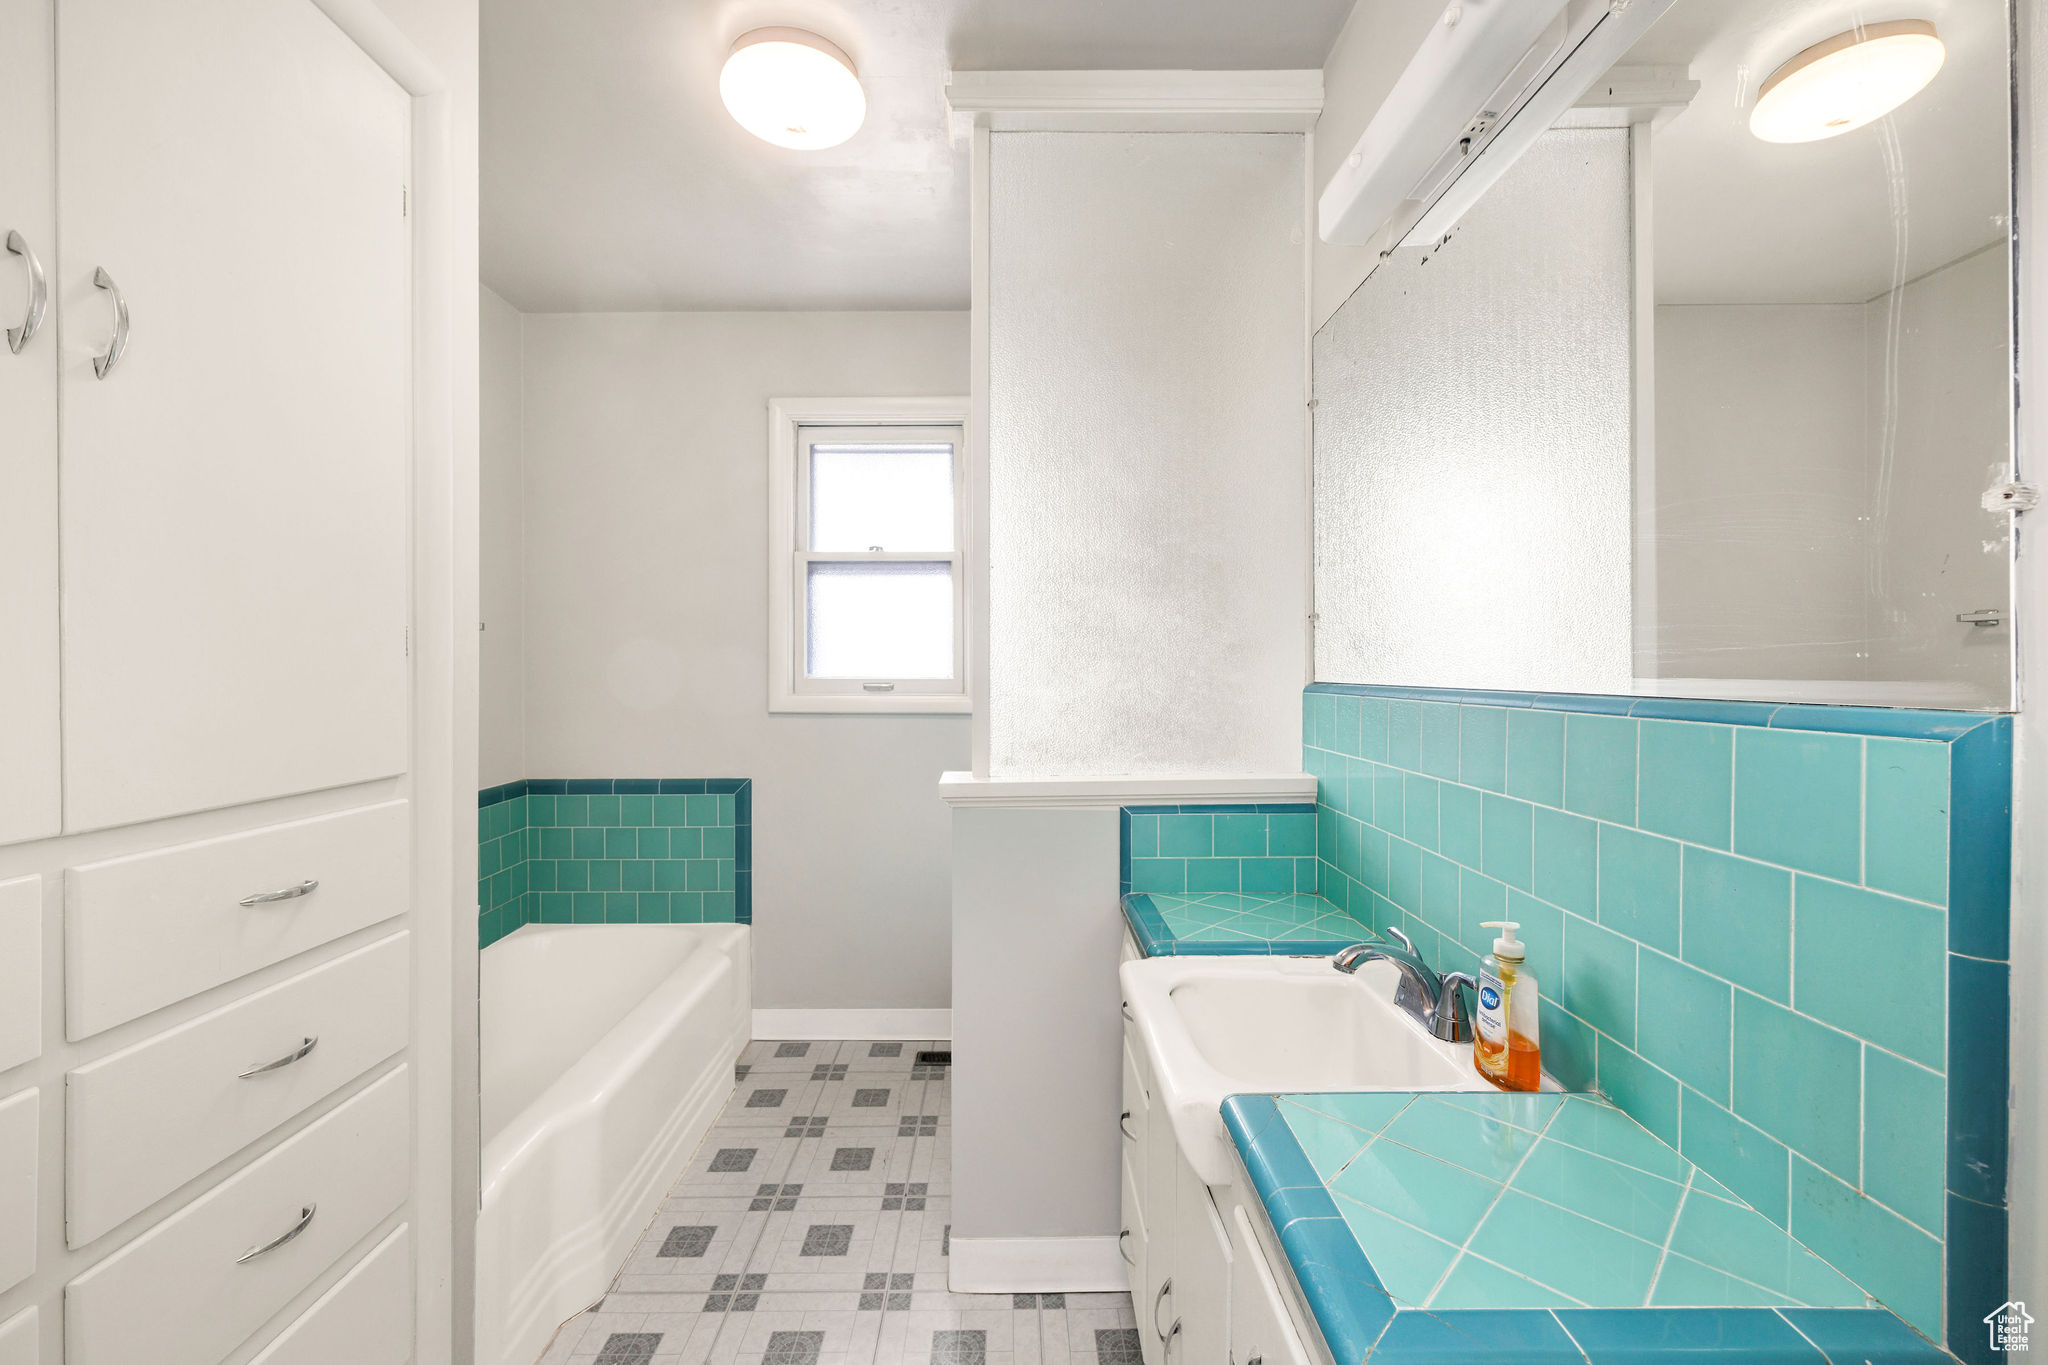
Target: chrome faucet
{"x": 1435, "y": 1002}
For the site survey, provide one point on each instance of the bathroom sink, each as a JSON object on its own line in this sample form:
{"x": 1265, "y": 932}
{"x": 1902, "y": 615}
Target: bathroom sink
{"x": 1218, "y": 1026}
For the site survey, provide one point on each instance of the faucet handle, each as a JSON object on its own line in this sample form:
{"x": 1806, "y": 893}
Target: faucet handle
{"x": 1394, "y": 932}
{"x": 1450, "y": 1023}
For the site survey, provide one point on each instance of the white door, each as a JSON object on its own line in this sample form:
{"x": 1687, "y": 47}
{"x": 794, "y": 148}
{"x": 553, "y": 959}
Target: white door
{"x": 29, "y": 803}
{"x": 235, "y": 486}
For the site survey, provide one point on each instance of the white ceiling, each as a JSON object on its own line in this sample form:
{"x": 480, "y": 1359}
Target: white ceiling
{"x": 613, "y": 179}
{"x": 1738, "y": 220}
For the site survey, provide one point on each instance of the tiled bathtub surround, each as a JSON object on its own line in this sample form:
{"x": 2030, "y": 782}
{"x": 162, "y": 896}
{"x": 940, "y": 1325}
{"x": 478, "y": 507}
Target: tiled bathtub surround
{"x": 672, "y": 850}
{"x": 1776, "y": 936}
{"x": 1193, "y": 849}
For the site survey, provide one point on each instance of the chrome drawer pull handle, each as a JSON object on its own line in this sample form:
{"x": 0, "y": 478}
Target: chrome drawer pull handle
{"x": 1120, "y": 1246}
{"x": 1171, "y": 1333}
{"x": 1124, "y": 1127}
{"x": 38, "y": 294}
{"x": 1164, "y": 1290}
{"x": 103, "y": 365}
{"x": 305, "y": 1220}
{"x": 295, "y": 1055}
{"x": 290, "y": 893}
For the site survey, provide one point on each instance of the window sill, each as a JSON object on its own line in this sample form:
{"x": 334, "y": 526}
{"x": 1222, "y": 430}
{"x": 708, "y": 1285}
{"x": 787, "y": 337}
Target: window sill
{"x": 906, "y": 704}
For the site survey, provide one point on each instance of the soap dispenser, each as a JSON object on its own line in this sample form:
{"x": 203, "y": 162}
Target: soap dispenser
{"x": 1505, "y": 1049}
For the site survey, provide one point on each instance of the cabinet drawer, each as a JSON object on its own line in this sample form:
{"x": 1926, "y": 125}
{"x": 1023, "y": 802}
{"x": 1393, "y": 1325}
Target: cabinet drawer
{"x": 144, "y": 931}
{"x": 21, "y": 971}
{"x": 19, "y": 1339}
{"x": 19, "y": 1115}
{"x": 151, "y": 1117}
{"x": 184, "y": 1294}
{"x": 366, "y": 1319}
{"x": 1137, "y": 1111}
{"x": 1130, "y": 1239}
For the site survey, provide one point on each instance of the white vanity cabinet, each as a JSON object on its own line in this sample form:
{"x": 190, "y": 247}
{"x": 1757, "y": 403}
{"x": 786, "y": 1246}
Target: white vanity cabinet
{"x": 1172, "y": 1233}
{"x": 1134, "y": 1237}
{"x": 1150, "y": 1213}
{"x": 1204, "y": 1283}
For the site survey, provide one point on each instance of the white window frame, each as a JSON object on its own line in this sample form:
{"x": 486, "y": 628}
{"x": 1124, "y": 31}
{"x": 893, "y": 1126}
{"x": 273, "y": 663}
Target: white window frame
{"x": 789, "y": 691}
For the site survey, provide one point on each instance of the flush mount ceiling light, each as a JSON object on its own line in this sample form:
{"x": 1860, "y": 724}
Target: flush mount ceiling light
{"x": 792, "y": 88}
{"x": 1851, "y": 79}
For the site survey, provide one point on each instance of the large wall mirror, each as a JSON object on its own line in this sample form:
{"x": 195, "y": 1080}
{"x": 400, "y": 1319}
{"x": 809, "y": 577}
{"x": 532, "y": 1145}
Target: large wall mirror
{"x": 1705, "y": 396}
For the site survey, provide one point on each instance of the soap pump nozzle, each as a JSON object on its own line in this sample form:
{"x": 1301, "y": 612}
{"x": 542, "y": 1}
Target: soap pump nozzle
{"x": 1507, "y": 945}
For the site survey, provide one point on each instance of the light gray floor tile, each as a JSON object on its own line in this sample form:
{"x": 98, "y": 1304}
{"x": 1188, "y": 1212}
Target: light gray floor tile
{"x": 882, "y": 1300}
{"x": 765, "y": 1100}
{"x": 766, "y": 1057}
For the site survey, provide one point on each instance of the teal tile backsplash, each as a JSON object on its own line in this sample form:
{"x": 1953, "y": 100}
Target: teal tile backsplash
{"x": 1747, "y": 935}
{"x": 613, "y": 851}
{"x": 1195, "y": 849}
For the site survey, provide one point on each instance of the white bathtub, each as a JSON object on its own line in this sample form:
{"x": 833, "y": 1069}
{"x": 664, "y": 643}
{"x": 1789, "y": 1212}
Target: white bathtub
{"x": 606, "y": 1052}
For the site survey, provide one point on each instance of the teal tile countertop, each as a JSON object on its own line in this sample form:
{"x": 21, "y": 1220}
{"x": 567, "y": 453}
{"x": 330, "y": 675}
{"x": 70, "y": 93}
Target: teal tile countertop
{"x": 1498, "y": 1227}
{"x": 1238, "y": 922}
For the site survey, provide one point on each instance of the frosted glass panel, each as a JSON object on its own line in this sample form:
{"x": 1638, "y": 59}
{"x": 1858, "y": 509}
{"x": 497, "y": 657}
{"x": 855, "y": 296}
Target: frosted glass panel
{"x": 1472, "y": 443}
{"x": 879, "y": 620}
{"x": 1147, "y": 490}
{"x": 875, "y": 496}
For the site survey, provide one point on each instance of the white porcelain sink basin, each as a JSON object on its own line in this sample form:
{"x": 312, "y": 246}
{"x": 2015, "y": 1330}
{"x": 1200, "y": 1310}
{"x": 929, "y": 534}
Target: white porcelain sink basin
{"x": 1219, "y": 1026}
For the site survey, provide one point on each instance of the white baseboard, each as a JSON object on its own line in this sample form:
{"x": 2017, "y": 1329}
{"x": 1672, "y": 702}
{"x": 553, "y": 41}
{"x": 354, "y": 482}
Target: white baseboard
{"x": 882, "y": 1025}
{"x": 1036, "y": 1265}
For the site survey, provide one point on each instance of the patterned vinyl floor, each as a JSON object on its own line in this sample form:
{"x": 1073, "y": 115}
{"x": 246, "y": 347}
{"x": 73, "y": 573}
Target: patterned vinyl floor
{"x": 812, "y": 1228}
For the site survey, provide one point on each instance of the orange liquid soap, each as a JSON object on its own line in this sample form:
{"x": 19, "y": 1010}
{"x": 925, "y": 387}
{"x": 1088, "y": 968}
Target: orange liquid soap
{"x": 1504, "y": 1046}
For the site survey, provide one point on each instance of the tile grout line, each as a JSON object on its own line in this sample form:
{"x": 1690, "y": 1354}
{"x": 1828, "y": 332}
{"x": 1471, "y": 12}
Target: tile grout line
{"x": 1568, "y": 1336}
{"x": 1505, "y": 1186}
{"x": 1780, "y": 1311}
{"x": 1671, "y": 1234}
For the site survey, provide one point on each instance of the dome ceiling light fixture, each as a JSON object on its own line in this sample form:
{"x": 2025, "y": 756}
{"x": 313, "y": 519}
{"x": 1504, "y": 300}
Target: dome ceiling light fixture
{"x": 1847, "y": 81}
{"x": 792, "y": 88}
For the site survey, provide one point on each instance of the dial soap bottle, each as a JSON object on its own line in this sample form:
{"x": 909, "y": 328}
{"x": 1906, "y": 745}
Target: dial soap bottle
{"x": 1505, "y": 1050}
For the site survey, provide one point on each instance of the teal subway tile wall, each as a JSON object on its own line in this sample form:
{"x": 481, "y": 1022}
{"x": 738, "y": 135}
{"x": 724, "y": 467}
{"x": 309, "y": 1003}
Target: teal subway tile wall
{"x": 674, "y": 850}
{"x": 1776, "y": 936}
{"x": 1193, "y": 849}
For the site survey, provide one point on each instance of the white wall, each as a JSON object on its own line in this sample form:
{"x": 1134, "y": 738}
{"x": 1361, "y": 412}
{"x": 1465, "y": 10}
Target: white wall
{"x": 1473, "y": 443}
{"x": 1147, "y": 486}
{"x": 501, "y": 721}
{"x": 1940, "y": 368}
{"x": 442, "y": 34}
{"x": 646, "y": 494}
{"x": 1817, "y": 475}
{"x": 1037, "y": 954}
{"x": 1762, "y": 487}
